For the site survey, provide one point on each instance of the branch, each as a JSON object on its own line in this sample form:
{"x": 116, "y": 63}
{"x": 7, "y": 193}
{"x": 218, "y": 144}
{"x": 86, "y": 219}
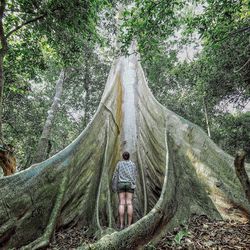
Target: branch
{"x": 233, "y": 33}
{"x": 2, "y": 8}
{"x": 25, "y": 23}
{"x": 3, "y": 40}
{"x": 30, "y": 21}
{"x": 20, "y": 11}
{"x": 240, "y": 30}
{"x": 242, "y": 67}
{"x": 2, "y": 36}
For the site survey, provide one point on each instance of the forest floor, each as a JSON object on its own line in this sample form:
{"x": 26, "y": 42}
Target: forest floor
{"x": 199, "y": 233}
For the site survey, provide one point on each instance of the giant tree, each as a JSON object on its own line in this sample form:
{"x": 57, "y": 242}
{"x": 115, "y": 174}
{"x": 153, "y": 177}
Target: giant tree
{"x": 181, "y": 172}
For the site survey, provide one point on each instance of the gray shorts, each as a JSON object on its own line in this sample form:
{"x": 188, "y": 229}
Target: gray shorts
{"x": 124, "y": 187}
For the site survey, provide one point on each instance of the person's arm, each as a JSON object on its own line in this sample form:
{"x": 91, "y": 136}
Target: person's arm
{"x": 134, "y": 175}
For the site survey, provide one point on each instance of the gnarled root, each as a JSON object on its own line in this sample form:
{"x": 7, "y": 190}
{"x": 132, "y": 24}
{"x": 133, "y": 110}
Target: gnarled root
{"x": 44, "y": 240}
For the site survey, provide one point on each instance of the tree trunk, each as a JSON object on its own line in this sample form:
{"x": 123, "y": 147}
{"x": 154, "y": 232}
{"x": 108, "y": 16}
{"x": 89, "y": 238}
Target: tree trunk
{"x": 1, "y": 95}
{"x": 181, "y": 172}
{"x": 206, "y": 117}
{"x": 3, "y": 51}
{"x": 43, "y": 144}
{"x": 86, "y": 87}
{"x": 239, "y": 164}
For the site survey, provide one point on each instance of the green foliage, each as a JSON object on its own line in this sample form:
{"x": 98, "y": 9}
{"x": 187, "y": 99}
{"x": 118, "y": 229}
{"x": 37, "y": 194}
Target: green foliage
{"x": 149, "y": 23}
{"x": 221, "y": 19}
{"x": 43, "y": 37}
{"x": 65, "y": 25}
{"x": 41, "y": 31}
{"x": 180, "y": 235}
{"x": 216, "y": 79}
{"x": 231, "y": 131}
{"x": 152, "y": 23}
{"x": 25, "y": 113}
{"x": 149, "y": 246}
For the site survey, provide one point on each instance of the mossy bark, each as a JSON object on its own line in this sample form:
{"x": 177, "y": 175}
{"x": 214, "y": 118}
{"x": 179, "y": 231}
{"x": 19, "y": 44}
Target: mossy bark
{"x": 181, "y": 172}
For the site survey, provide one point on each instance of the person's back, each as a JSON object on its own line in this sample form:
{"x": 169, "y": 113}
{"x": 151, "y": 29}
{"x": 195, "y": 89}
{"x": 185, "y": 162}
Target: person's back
{"x": 124, "y": 182}
{"x": 127, "y": 172}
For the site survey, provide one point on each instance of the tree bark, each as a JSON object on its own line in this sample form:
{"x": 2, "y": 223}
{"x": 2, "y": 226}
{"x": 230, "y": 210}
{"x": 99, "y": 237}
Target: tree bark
{"x": 180, "y": 172}
{"x": 241, "y": 172}
{"x": 206, "y": 117}
{"x": 43, "y": 144}
{"x": 1, "y": 94}
{"x": 86, "y": 87}
{"x": 3, "y": 51}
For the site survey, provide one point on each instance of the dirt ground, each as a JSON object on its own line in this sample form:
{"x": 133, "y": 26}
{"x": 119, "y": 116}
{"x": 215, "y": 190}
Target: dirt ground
{"x": 199, "y": 233}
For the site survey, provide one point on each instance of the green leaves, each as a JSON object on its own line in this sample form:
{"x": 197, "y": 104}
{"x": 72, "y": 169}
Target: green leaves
{"x": 65, "y": 24}
{"x": 220, "y": 19}
{"x": 150, "y": 23}
{"x": 208, "y": 85}
{"x": 231, "y": 131}
{"x": 42, "y": 37}
{"x": 180, "y": 235}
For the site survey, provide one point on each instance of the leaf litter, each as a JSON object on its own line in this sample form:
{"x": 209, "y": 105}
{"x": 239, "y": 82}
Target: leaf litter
{"x": 200, "y": 232}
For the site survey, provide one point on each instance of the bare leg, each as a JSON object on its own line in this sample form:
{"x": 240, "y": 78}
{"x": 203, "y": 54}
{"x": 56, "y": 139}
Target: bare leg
{"x": 129, "y": 197}
{"x": 122, "y": 203}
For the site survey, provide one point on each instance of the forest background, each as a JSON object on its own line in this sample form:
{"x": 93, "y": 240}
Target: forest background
{"x": 57, "y": 56}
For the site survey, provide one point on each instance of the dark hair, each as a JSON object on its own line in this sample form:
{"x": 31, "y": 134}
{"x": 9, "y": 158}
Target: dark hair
{"x": 126, "y": 155}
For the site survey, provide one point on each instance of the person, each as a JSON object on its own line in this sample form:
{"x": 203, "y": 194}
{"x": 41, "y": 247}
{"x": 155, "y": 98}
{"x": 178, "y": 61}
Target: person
{"x": 124, "y": 183}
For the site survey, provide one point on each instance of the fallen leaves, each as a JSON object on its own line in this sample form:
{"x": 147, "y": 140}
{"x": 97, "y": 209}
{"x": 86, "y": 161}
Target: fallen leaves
{"x": 70, "y": 238}
{"x": 200, "y": 233}
{"x": 204, "y": 233}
